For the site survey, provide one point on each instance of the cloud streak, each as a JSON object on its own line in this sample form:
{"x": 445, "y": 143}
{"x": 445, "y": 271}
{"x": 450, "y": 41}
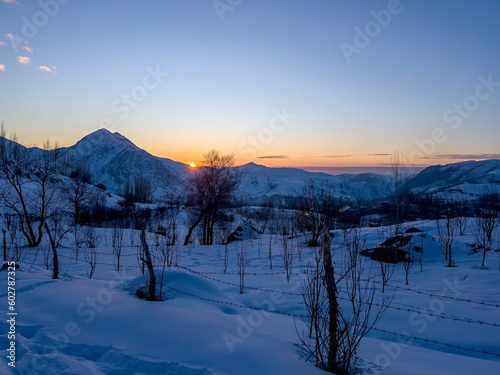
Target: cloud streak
{"x": 27, "y": 49}
{"x": 46, "y": 69}
{"x": 10, "y": 1}
{"x": 2, "y": 43}
{"x": 2, "y": 67}
{"x": 274, "y": 157}
{"x": 464, "y": 156}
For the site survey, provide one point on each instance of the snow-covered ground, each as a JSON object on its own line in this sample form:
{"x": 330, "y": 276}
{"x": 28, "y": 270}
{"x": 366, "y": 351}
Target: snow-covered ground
{"x": 444, "y": 322}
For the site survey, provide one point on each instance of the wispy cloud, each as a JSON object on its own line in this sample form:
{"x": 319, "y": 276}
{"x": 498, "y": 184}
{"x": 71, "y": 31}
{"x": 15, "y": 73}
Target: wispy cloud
{"x": 337, "y": 156}
{"x": 16, "y": 39}
{"x": 378, "y": 154}
{"x": 11, "y": 37}
{"x": 327, "y": 156}
{"x": 464, "y": 156}
{"x": 2, "y": 43}
{"x": 27, "y": 49}
{"x": 2, "y": 67}
{"x": 46, "y": 69}
{"x": 10, "y": 1}
{"x": 274, "y": 157}
{"x": 24, "y": 60}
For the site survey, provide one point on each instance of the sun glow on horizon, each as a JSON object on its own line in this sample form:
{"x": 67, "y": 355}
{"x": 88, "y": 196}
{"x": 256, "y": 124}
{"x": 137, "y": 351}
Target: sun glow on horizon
{"x": 192, "y": 165}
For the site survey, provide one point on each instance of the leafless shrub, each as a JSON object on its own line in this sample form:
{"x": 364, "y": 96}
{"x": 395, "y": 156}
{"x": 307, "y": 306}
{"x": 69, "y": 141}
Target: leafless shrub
{"x": 226, "y": 256}
{"x": 117, "y": 244}
{"x": 463, "y": 223}
{"x": 480, "y": 230}
{"x": 47, "y": 259}
{"x": 90, "y": 255}
{"x": 312, "y": 291}
{"x": 4, "y": 245}
{"x": 19, "y": 252}
{"x": 270, "y": 251}
{"x": 418, "y": 252}
{"x": 92, "y": 237}
{"x": 133, "y": 236}
{"x": 286, "y": 252}
{"x": 242, "y": 262}
{"x": 447, "y": 232}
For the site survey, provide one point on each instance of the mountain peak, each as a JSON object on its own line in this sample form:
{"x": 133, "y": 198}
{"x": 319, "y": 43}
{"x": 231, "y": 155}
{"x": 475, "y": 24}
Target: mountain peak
{"x": 103, "y": 135}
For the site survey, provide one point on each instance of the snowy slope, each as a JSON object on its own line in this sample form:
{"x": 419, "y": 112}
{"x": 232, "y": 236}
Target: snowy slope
{"x": 259, "y": 180}
{"x": 205, "y": 327}
{"x": 470, "y": 177}
{"x": 113, "y": 159}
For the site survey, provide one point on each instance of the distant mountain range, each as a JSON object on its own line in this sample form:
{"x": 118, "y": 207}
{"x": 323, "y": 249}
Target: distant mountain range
{"x": 113, "y": 159}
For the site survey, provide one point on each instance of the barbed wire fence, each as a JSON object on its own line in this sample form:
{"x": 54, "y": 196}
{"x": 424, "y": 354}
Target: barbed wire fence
{"x": 408, "y": 309}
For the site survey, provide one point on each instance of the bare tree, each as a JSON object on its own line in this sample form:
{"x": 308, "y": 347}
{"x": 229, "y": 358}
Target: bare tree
{"x": 226, "y": 256}
{"x": 312, "y": 293}
{"x": 151, "y": 293}
{"x": 242, "y": 262}
{"x": 409, "y": 259}
{"x": 59, "y": 227}
{"x": 91, "y": 256}
{"x": 338, "y": 331}
{"x": 210, "y": 187}
{"x": 4, "y": 237}
{"x": 78, "y": 191}
{"x": 352, "y": 264}
{"x": 142, "y": 190}
{"x": 447, "y": 232}
{"x": 386, "y": 272}
{"x": 117, "y": 244}
{"x": 286, "y": 252}
{"x": 462, "y": 215}
{"x": 92, "y": 237}
{"x": 317, "y": 211}
{"x": 270, "y": 254}
{"x": 488, "y": 217}
{"x": 19, "y": 252}
{"x": 27, "y": 189}
{"x": 482, "y": 237}
{"x": 418, "y": 253}
{"x": 386, "y": 268}
{"x": 399, "y": 200}
{"x": 171, "y": 221}
{"x": 55, "y": 261}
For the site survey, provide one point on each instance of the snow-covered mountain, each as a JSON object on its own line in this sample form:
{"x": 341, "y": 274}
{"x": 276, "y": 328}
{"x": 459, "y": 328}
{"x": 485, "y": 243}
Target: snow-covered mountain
{"x": 469, "y": 178}
{"x": 113, "y": 159}
{"x": 260, "y": 181}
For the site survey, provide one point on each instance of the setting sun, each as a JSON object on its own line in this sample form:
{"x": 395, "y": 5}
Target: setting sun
{"x": 192, "y": 165}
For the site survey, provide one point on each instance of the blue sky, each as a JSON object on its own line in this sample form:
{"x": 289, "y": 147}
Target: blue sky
{"x": 269, "y": 81}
